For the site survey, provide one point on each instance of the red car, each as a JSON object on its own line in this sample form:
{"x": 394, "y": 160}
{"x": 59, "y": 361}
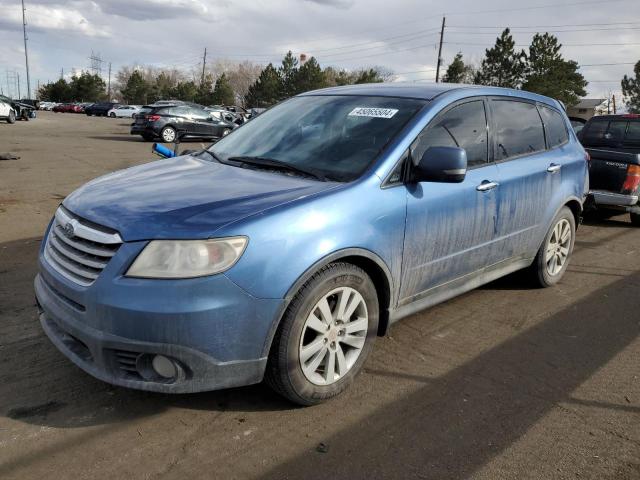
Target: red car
{"x": 68, "y": 108}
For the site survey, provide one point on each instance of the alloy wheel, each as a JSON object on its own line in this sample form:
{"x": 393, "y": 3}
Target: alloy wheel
{"x": 558, "y": 247}
{"x": 168, "y": 135}
{"x": 333, "y": 336}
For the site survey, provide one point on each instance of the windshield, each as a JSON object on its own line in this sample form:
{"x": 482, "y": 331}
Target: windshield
{"x": 337, "y": 136}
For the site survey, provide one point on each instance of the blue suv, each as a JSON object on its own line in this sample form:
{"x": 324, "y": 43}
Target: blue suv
{"x": 283, "y": 250}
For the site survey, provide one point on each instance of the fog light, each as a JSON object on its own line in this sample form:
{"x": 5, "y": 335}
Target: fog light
{"x": 164, "y": 367}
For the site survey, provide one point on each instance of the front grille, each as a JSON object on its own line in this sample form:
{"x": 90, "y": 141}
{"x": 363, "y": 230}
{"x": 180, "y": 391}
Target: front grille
{"x": 77, "y": 249}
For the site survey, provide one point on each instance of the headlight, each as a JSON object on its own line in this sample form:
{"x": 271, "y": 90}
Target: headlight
{"x": 187, "y": 258}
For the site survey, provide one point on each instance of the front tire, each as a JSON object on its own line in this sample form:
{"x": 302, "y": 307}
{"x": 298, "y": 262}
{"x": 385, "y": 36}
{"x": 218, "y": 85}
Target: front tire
{"x": 555, "y": 252}
{"x": 325, "y": 335}
{"x": 168, "y": 134}
{"x": 112, "y": 115}
{"x": 635, "y": 219}
{"x": 12, "y": 117}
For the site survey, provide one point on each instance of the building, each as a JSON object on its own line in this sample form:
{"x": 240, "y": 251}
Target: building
{"x": 586, "y": 108}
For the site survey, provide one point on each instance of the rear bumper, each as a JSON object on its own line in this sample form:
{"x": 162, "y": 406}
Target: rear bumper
{"x": 142, "y": 130}
{"x": 604, "y": 198}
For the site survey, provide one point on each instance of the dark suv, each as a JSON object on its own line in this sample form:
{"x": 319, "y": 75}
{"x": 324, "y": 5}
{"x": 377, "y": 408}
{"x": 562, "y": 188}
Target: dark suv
{"x": 100, "y": 108}
{"x": 169, "y": 121}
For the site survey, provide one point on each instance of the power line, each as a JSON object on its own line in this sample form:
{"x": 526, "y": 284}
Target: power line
{"x": 547, "y": 26}
{"x": 475, "y": 44}
{"x": 552, "y": 31}
{"x": 533, "y": 7}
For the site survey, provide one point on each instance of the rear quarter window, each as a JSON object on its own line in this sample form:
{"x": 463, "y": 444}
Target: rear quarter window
{"x": 555, "y": 127}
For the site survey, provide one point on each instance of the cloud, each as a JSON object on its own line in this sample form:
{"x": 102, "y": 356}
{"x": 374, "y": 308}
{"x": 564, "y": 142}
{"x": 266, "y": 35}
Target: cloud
{"x": 44, "y": 18}
{"x": 144, "y": 10}
{"x": 343, "y": 4}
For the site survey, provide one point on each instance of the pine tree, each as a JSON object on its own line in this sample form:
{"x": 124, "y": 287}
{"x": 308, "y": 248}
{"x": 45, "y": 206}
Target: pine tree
{"x": 631, "y": 90}
{"x": 223, "y": 93}
{"x": 267, "y": 89}
{"x": 549, "y": 74}
{"x": 206, "y": 92}
{"x": 136, "y": 89}
{"x": 87, "y": 87}
{"x": 288, "y": 72}
{"x": 502, "y": 65}
{"x": 458, "y": 71}
{"x": 310, "y": 77}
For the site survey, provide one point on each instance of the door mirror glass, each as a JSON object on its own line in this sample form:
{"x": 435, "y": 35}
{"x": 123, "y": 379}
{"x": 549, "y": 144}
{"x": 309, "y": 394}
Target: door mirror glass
{"x": 441, "y": 164}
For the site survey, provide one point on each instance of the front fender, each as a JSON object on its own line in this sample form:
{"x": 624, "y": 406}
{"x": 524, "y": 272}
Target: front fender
{"x": 288, "y": 242}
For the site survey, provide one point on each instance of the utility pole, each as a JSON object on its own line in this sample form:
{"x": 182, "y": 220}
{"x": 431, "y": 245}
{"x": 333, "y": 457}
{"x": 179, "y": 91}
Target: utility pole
{"x": 109, "y": 84}
{"x": 614, "y": 104}
{"x": 61, "y": 73}
{"x": 18, "y": 80}
{"x": 204, "y": 63}
{"x": 440, "y": 52}
{"x": 26, "y": 56}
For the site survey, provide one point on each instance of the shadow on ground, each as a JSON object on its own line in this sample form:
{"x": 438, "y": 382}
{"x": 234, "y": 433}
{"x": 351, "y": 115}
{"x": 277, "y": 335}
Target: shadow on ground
{"x": 457, "y": 423}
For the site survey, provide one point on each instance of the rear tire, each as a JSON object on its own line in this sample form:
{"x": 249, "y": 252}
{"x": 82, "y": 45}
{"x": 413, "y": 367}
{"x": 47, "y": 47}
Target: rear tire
{"x": 168, "y": 134}
{"x": 333, "y": 322}
{"x": 635, "y": 219}
{"x": 12, "y": 117}
{"x": 555, "y": 252}
{"x": 112, "y": 115}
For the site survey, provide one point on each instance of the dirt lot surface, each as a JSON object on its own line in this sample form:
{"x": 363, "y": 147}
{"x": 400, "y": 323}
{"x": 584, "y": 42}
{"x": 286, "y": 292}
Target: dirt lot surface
{"x": 504, "y": 382}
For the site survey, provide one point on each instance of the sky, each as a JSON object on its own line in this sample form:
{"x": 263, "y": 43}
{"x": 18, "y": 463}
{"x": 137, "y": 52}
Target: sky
{"x": 402, "y": 35}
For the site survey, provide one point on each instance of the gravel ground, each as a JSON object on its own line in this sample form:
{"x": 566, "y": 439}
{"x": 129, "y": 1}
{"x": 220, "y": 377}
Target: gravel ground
{"x": 503, "y": 382}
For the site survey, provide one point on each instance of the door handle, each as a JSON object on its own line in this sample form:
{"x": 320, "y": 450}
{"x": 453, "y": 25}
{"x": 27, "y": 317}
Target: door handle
{"x": 553, "y": 168}
{"x": 486, "y": 185}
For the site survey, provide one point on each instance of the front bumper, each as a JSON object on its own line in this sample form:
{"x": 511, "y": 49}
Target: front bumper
{"x": 217, "y": 334}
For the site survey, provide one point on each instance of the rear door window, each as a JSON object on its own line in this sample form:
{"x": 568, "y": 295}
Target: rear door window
{"x": 463, "y": 126}
{"x": 555, "y": 128}
{"x": 518, "y": 129}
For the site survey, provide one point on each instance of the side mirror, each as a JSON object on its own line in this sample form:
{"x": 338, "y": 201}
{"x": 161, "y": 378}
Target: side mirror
{"x": 441, "y": 164}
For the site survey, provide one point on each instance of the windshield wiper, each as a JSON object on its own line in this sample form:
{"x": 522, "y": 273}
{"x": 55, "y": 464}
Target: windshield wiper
{"x": 278, "y": 165}
{"x": 212, "y": 155}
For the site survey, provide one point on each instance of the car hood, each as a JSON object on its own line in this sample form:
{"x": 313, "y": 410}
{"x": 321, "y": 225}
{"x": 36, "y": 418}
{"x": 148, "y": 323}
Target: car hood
{"x": 183, "y": 197}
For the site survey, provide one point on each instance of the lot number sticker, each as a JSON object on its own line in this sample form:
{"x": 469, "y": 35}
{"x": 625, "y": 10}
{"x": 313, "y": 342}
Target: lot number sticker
{"x": 373, "y": 112}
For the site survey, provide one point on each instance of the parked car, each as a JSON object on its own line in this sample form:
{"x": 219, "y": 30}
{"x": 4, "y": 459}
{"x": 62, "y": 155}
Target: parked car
{"x": 577, "y": 123}
{"x": 613, "y": 142}
{"x": 124, "y": 111}
{"x": 281, "y": 251}
{"x": 47, "y": 105}
{"x": 31, "y": 102}
{"x": 100, "y": 109}
{"x": 63, "y": 108}
{"x": 12, "y": 110}
{"x": 7, "y": 111}
{"x": 167, "y": 122}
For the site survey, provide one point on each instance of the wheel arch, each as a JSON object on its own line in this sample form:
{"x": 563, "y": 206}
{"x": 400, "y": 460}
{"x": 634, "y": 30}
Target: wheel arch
{"x": 576, "y": 208}
{"x": 371, "y": 263}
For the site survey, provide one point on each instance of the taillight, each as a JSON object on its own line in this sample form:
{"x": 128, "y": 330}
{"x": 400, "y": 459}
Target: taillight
{"x": 632, "y": 182}
{"x": 153, "y": 118}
